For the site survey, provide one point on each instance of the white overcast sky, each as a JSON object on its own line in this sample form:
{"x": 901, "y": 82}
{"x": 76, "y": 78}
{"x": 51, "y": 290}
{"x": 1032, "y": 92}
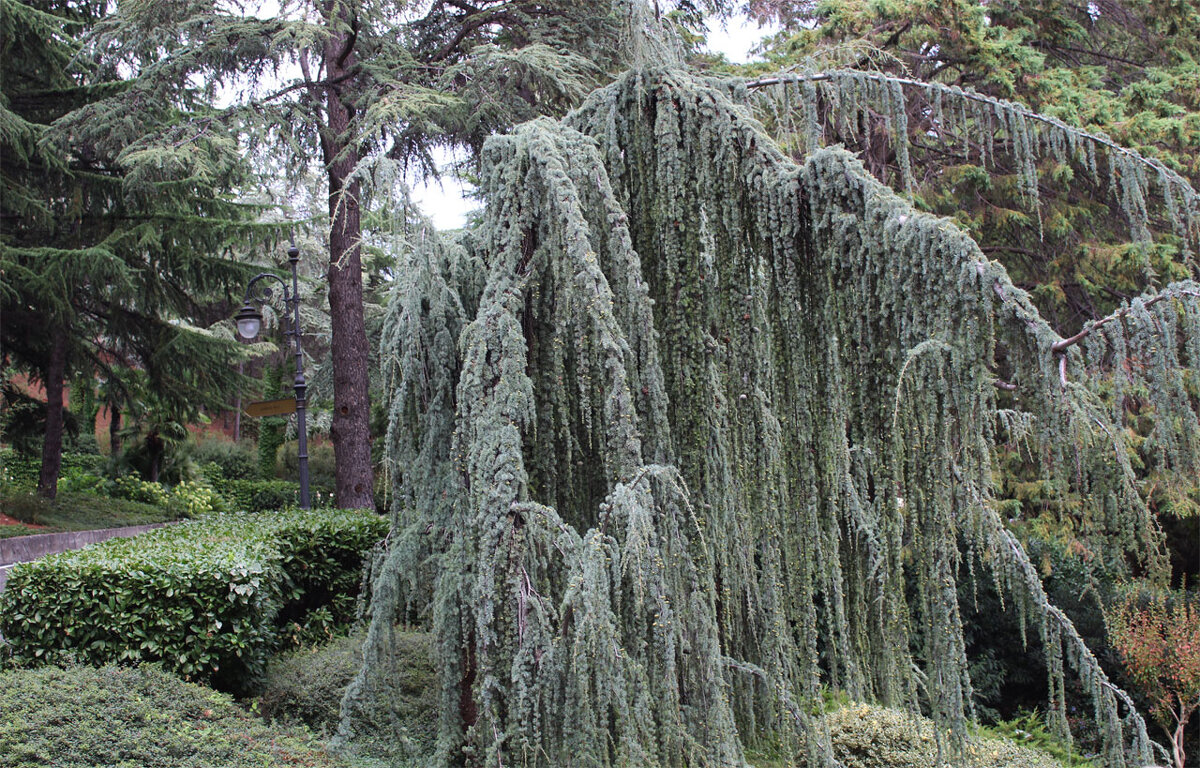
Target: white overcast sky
{"x": 444, "y": 201}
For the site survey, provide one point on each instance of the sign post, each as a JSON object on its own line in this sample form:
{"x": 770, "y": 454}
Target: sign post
{"x": 272, "y": 407}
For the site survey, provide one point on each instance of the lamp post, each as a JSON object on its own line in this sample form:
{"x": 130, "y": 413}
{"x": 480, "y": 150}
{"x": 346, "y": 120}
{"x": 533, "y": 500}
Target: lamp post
{"x": 249, "y": 322}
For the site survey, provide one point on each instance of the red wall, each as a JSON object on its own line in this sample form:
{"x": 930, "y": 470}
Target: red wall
{"x": 223, "y": 423}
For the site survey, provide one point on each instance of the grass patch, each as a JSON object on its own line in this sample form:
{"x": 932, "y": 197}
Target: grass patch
{"x": 77, "y": 511}
{"x": 12, "y": 531}
{"x": 79, "y": 717}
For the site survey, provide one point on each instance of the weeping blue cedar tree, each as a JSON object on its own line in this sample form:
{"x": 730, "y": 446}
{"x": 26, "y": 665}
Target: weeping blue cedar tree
{"x": 675, "y": 426}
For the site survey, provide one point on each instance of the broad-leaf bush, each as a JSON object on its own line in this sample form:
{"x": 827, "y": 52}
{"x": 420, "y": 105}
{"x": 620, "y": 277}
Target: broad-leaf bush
{"x": 136, "y": 489}
{"x": 206, "y": 597}
{"x": 80, "y": 717}
{"x": 193, "y": 499}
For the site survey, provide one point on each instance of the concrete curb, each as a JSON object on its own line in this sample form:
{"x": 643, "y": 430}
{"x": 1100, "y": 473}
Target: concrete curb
{"x": 22, "y": 549}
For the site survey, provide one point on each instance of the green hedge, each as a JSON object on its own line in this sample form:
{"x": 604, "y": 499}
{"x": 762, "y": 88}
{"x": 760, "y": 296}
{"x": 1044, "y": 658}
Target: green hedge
{"x": 142, "y": 717}
{"x": 207, "y": 597}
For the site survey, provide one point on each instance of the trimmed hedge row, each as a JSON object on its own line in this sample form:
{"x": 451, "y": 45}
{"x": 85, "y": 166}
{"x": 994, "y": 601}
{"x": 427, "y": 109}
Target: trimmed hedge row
{"x": 207, "y": 597}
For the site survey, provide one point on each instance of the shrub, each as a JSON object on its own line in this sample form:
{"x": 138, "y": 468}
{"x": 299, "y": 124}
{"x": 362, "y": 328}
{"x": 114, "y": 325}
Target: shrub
{"x": 260, "y": 495}
{"x": 77, "y": 480}
{"x": 206, "y": 597}
{"x": 1158, "y": 637}
{"x": 307, "y": 686}
{"x": 237, "y": 461}
{"x": 116, "y": 716}
{"x": 865, "y": 736}
{"x": 19, "y": 471}
{"x": 193, "y": 499}
{"x": 270, "y": 437}
{"x": 322, "y": 555}
{"x": 136, "y": 489}
{"x": 320, "y": 464}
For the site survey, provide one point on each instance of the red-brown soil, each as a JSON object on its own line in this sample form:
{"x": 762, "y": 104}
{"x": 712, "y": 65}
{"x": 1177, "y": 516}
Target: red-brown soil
{"x": 6, "y": 520}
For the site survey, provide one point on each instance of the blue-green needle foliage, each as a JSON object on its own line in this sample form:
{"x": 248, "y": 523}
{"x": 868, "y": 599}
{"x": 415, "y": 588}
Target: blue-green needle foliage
{"x": 683, "y": 433}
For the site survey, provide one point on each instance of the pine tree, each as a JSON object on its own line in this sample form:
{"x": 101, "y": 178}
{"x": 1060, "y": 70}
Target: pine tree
{"x": 719, "y": 431}
{"x": 110, "y": 250}
{"x": 373, "y": 87}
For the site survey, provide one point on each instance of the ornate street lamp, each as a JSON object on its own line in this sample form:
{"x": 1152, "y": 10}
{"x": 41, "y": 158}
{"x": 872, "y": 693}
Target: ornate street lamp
{"x": 249, "y": 322}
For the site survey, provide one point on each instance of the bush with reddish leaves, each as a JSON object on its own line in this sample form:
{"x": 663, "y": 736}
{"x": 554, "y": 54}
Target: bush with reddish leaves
{"x": 1158, "y": 637}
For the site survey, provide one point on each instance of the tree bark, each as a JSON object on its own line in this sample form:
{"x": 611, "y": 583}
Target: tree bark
{"x": 114, "y": 429}
{"x": 351, "y": 398}
{"x": 56, "y": 368}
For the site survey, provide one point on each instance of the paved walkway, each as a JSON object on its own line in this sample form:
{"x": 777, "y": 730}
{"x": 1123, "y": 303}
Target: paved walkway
{"x": 22, "y": 549}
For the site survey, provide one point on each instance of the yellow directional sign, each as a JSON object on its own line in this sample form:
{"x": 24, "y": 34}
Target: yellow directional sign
{"x": 272, "y": 407}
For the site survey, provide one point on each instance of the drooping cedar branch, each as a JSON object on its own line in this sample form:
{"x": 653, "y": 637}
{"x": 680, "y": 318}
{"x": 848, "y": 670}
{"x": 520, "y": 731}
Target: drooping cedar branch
{"x": 974, "y": 116}
{"x": 1060, "y": 347}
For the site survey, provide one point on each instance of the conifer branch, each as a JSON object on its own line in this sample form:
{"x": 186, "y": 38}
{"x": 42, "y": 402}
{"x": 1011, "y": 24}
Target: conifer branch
{"x": 970, "y": 95}
{"x": 1060, "y": 347}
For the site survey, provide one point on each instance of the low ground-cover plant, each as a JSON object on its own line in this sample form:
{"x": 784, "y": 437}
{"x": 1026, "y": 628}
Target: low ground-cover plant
{"x": 1029, "y": 729}
{"x": 207, "y": 597}
{"x": 76, "y": 511}
{"x": 79, "y": 717}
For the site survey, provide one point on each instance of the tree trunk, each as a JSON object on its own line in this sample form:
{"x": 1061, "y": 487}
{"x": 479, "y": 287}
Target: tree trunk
{"x": 114, "y": 429}
{"x": 351, "y": 400}
{"x": 56, "y": 368}
{"x": 155, "y": 448}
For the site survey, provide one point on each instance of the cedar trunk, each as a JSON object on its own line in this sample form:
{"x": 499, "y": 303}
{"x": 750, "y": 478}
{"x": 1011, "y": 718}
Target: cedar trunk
{"x": 351, "y": 399}
{"x": 56, "y": 368}
{"x": 114, "y": 429}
